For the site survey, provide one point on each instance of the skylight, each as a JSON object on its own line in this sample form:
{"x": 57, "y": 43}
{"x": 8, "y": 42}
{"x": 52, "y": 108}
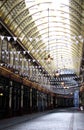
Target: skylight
{"x": 59, "y": 25}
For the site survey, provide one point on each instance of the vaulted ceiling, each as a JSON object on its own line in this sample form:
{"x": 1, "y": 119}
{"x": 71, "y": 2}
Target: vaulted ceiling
{"x": 45, "y": 28}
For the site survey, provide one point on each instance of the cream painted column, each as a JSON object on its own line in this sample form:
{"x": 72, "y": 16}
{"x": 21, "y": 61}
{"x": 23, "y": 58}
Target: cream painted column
{"x": 31, "y": 99}
{"x": 30, "y": 70}
{"x": 10, "y": 95}
{"x": 37, "y": 99}
{"x": 46, "y": 102}
{"x": 11, "y": 56}
{"x": 42, "y": 102}
{"x": 51, "y": 101}
{"x": 56, "y": 101}
{"x": 22, "y": 96}
{"x": 22, "y": 67}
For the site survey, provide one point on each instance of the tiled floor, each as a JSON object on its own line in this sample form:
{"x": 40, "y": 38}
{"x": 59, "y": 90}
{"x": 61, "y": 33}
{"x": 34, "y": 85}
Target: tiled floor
{"x": 63, "y": 119}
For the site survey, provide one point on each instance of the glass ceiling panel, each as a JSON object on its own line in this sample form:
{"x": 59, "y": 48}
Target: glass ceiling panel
{"x": 56, "y": 24}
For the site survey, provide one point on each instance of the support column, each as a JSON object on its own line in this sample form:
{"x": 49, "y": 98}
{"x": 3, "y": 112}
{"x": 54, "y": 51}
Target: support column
{"x": 51, "y": 102}
{"x": 42, "y": 103}
{"x": 10, "y": 98}
{"x": 46, "y": 102}
{"x": 30, "y": 99}
{"x": 22, "y": 96}
{"x": 37, "y": 100}
{"x": 22, "y": 99}
{"x": 56, "y": 102}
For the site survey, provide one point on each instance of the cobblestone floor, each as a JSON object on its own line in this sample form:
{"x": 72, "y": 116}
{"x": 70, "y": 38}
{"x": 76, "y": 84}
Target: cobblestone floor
{"x": 56, "y": 120}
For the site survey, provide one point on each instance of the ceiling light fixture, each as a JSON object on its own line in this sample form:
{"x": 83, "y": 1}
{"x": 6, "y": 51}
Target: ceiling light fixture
{"x": 1, "y": 94}
{"x": 57, "y": 74}
{"x": 62, "y": 83}
{"x": 48, "y": 58}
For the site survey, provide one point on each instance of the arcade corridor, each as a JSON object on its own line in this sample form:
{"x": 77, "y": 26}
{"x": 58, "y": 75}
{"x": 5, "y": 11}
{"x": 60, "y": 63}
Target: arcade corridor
{"x": 41, "y": 64}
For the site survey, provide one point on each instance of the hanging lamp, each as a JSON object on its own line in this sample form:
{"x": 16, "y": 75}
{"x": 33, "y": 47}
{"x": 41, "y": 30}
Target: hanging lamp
{"x": 48, "y": 58}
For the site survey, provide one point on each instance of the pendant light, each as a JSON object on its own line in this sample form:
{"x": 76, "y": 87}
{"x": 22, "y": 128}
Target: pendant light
{"x": 48, "y": 58}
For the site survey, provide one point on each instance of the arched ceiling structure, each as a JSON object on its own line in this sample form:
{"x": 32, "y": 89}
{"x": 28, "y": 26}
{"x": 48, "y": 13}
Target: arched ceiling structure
{"x": 48, "y": 27}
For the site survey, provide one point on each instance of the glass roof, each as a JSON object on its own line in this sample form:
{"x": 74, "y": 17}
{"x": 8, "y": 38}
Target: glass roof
{"x": 47, "y": 27}
{"x": 55, "y": 16}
